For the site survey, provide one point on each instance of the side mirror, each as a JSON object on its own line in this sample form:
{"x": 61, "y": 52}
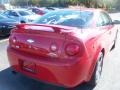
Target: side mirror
{"x": 116, "y": 22}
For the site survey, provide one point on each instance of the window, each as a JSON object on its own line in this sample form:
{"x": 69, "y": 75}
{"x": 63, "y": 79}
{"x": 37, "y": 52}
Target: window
{"x": 103, "y": 19}
{"x": 6, "y": 13}
{"x": 12, "y": 13}
{"x": 100, "y": 21}
{"x": 107, "y": 19}
{"x": 2, "y": 17}
{"x": 80, "y": 19}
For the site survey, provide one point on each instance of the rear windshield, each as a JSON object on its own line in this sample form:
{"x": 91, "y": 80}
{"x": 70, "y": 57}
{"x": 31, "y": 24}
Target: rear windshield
{"x": 71, "y": 18}
{"x": 24, "y": 13}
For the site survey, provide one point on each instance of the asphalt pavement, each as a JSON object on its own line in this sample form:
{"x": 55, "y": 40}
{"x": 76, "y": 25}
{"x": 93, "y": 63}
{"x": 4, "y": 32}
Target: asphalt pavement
{"x": 110, "y": 79}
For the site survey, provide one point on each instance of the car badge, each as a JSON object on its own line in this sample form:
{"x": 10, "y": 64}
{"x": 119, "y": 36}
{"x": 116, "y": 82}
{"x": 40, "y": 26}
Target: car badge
{"x": 30, "y": 41}
{"x": 52, "y": 55}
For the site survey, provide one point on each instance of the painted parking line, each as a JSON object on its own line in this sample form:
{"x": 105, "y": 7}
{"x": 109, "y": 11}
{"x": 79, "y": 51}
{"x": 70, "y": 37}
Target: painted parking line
{"x": 4, "y": 40}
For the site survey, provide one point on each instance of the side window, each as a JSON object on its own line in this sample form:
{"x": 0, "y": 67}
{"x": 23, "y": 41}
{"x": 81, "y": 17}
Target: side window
{"x": 100, "y": 21}
{"x": 6, "y": 13}
{"x": 12, "y": 13}
{"x": 106, "y": 18}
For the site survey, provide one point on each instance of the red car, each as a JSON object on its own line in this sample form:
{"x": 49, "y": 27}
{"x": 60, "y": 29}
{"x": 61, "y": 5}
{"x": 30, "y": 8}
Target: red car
{"x": 64, "y": 47}
{"x": 39, "y": 11}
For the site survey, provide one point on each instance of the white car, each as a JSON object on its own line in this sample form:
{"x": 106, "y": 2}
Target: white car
{"x": 21, "y": 15}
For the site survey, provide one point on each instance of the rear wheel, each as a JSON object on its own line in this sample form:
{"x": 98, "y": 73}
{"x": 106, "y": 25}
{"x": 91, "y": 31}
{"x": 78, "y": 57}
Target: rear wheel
{"x": 98, "y": 70}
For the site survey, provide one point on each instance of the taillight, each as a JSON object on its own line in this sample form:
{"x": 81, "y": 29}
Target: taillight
{"x": 72, "y": 49}
{"x": 14, "y": 40}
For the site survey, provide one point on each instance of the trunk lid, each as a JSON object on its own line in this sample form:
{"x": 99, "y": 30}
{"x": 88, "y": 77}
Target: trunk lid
{"x": 42, "y": 40}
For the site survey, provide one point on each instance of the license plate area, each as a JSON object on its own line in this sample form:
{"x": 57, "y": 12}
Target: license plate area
{"x": 28, "y": 66}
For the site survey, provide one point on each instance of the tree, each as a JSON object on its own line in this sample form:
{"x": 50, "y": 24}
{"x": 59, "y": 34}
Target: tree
{"x": 60, "y": 3}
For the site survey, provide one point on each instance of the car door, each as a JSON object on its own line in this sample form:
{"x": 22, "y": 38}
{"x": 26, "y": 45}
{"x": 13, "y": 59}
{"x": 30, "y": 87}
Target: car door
{"x": 111, "y": 28}
{"x": 104, "y": 31}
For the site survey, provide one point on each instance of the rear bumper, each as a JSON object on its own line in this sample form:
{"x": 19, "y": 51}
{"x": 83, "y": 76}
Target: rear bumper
{"x": 67, "y": 75}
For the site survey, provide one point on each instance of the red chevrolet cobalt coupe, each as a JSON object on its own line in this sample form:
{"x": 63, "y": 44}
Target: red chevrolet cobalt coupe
{"x": 64, "y": 47}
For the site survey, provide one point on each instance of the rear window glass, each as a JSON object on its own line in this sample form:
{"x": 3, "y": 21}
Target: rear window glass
{"x": 71, "y": 18}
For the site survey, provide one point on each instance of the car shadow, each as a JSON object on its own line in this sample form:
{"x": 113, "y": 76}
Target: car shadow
{"x": 9, "y": 81}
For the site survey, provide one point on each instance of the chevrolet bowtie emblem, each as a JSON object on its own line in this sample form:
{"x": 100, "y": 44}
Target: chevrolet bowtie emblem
{"x": 52, "y": 55}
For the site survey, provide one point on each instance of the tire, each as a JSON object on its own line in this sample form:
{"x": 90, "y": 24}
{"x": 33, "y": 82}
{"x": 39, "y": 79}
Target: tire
{"x": 97, "y": 71}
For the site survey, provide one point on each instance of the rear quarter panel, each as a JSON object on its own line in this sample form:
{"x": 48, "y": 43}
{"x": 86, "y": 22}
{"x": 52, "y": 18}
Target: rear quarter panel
{"x": 95, "y": 40}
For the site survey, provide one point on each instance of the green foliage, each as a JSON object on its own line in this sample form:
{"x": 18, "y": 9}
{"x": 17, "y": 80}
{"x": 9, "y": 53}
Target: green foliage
{"x": 87, "y": 3}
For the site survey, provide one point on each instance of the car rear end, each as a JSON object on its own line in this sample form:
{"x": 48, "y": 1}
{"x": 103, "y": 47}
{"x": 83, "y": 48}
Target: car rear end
{"x": 50, "y": 53}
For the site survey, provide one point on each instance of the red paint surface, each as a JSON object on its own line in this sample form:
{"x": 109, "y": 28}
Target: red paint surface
{"x": 59, "y": 67}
